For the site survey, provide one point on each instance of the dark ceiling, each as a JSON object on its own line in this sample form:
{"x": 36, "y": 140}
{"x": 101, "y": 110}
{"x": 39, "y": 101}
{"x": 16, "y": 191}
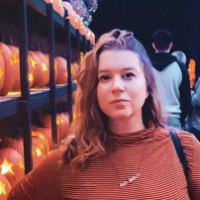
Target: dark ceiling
{"x": 143, "y": 17}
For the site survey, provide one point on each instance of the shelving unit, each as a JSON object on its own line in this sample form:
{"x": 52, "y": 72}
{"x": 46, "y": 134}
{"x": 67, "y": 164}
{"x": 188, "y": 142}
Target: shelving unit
{"x": 33, "y": 22}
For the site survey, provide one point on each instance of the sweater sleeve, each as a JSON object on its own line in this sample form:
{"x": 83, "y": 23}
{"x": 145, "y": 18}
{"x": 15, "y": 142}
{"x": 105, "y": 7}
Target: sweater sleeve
{"x": 42, "y": 183}
{"x": 185, "y": 94}
{"x": 191, "y": 148}
{"x": 196, "y": 95}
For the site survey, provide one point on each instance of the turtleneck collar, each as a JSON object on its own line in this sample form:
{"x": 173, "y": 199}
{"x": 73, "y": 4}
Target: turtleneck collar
{"x": 132, "y": 138}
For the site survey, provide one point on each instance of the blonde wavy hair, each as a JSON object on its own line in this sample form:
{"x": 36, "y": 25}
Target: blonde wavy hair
{"x": 89, "y": 130}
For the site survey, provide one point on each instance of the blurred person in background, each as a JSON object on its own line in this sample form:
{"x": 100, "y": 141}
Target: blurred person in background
{"x": 172, "y": 80}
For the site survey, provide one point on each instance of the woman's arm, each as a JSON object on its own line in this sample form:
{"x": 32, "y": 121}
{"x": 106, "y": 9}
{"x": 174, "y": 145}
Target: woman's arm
{"x": 42, "y": 183}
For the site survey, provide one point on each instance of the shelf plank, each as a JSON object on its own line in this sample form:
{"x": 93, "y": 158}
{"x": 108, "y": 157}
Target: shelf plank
{"x": 8, "y": 106}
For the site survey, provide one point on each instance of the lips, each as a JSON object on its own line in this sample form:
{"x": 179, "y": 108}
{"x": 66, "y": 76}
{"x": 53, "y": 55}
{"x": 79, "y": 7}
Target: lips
{"x": 119, "y": 101}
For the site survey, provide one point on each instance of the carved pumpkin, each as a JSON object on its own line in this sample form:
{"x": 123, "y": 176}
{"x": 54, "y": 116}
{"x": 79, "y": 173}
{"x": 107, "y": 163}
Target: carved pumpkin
{"x": 8, "y": 66}
{"x": 16, "y": 144}
{"x": 55, "y": 67}
{"x": 16, "y": 61}
{"x": 45, "y": 66}
{"x": 46, "y": 132}
{"x": 35, "y": 63}
{"x": 75, "y": 68}
{"x": 42, "y": 141}
{"x": 62, "y": 121}
{"x": 61, "y": 70}
{"x": 11, "y": 165}
{"x": 4, "y": 187}
{"x": 37, "y": 152}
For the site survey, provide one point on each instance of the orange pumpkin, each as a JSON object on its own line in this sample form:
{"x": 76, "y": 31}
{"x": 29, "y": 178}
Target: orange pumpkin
{"x": 42, "y": 141}
{"x": 7, "y": 70}
{"x": 46, "y": 132}
{"x": 4, "y": 187}
{"x": 35, "y": 63}
{"x": 37, "y": 152}
{"x": 17, "y": 83}
{"x": 55, "y": 67}
{"x": 16, "y": 144}
{"x": 62, "y": 121}
{"x": 61, "y": 70}
{"x": 11, "y": 165}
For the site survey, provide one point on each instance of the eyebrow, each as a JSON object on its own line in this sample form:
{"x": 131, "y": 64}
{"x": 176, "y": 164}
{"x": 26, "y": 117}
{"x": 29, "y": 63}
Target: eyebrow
{"x": 124, "y": 69}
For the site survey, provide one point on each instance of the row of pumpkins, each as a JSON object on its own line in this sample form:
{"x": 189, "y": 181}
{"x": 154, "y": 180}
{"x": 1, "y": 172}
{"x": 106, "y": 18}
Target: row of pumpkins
{"x": 12, "y": 152}
{"x": 74, "y": 19}
{"x": 38, "y": 74}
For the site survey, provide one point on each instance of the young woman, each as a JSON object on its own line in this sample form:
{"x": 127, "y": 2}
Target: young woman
{"x": 119, "y": 147}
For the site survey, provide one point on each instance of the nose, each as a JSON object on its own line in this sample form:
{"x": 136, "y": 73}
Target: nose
{"x": 118, "y": 85}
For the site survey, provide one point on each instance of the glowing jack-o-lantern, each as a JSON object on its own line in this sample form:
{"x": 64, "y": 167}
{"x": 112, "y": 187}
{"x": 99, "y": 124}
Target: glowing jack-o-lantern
{"x": 4, "y": 187}
{"x": 11, "y": 165}
{"x": 44, "y": 61}
{"x": 40, "y": 147}
{"x": 15, "y": 61}
{"x": 62, "y": 122}
{"x": 35, "y": 63}
{"x": 47, "y": 134}
{"x": 14, "y": 143}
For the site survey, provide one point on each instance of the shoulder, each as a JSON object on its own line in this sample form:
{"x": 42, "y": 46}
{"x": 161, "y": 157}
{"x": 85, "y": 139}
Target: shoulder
{"x": 45, "y": 179}
{"x": 191, "y": 146}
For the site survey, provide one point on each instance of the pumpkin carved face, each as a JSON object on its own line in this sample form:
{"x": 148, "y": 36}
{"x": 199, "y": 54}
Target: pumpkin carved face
{"x": 4, "y": 187}
{"x": 11, "y": 165}
{"x": 62, "y": 121}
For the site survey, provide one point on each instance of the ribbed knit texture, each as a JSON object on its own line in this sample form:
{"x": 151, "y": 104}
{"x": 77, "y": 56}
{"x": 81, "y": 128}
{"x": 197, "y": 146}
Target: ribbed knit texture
{"x": 149, "y": 153}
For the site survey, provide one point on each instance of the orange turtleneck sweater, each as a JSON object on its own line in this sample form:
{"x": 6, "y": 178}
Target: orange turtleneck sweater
{"x": 147, "y": 157}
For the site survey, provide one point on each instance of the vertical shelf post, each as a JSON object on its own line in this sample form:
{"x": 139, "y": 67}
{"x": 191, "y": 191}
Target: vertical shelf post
{"x": 51, "y": 43}
{"x": 24, "y": 103}
{"x": 68, "y": 49}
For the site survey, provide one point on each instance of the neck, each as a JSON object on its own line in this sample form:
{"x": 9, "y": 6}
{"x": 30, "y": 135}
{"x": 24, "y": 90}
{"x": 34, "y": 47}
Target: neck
{"x": 123, "y": 126}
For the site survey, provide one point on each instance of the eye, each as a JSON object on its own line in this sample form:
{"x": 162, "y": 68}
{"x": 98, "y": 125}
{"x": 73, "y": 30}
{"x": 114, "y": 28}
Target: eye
{"x": 104, "y": 78}
{"x": 128, "y": 75}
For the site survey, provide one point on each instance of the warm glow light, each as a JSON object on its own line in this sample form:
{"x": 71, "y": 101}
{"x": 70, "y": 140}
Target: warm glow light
{"x": 2, "y": 188}
{"x": 59, "y": 120}
{"x": 1, "y": 72}
{"x": 38, "y": 152}
{"x": 21, "y": 164}
{"x": 44, "y": 67}
{"x": 6, "y": 167}
{"x": 30, "y": 77}
{"x": 33, "y": 62}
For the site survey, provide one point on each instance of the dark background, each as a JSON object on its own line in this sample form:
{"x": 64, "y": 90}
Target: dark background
{"x": 143, "y": 17}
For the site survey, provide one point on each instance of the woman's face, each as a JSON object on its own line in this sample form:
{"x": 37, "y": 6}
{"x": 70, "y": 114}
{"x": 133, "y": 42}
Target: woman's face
{"x": 122, "y": 90}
